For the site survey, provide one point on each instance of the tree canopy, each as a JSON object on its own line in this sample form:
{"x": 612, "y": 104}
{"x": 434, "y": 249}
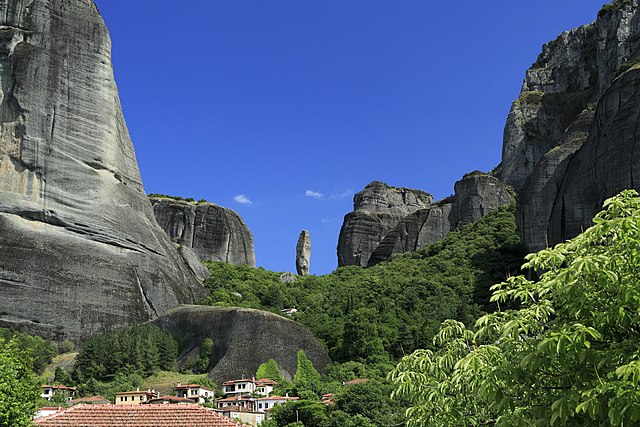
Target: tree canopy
{"x": 567, "y": 354}
{"x": 19, "y": 388}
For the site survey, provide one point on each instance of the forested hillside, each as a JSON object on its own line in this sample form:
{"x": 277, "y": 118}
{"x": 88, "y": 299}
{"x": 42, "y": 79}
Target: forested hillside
{"x": 381, "y": 313}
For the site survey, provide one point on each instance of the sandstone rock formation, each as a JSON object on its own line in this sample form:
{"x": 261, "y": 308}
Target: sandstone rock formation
{"x": 377, "y": 209}
{"x": 80, "y": 250}
{"x": 540, "y": 191}
{"x": 303, "y": 253}
{"x": 607, "y": 163}
{"x": 572, "y": 72}
{"x": 476, "y": 194}
{"x": 243, "y": 339}
{"x": 564, "y": 160}
{"x": 214, "y": 233}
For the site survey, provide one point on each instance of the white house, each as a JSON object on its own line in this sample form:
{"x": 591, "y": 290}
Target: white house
{"x": 244, "y": 402}
{"x": 49, "y": 390}
{"x": 245, "y": 415}
{"x": 266, "y": 403}
{"x": 265, "y": 386}
{"x": 196, "y": 392}
{"x": 239, "y": 387}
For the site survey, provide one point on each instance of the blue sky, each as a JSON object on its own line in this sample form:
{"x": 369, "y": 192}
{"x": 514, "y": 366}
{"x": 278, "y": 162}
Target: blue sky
{"x": 282, "y": 109}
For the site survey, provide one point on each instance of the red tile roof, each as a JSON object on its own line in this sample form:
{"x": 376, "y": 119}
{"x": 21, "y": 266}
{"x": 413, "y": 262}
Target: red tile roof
{"x": 188, "y": 386}
{"x": 244, "y": 380}
{"x": 279, "y": 398}
{"x": 165, "y": 398}
{"x": 356, "y": 381}
{"x": 237, "y": 398}
{"x": 92, "y": 399}
{"x": 58, "y": 387}
{"x": 136, "y": 416}
{"x": 236, "y": 408}
{"x": 266, "y": 381}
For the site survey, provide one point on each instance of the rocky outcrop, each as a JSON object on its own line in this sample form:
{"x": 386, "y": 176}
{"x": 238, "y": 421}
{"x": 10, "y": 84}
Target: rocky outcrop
{"x": 214, "y": 233}
{"x": 377, "y": 210}
{"x": 303, "y": 253}
{"x": 607, "y": 163}
{"x": 476, "y": 194}
{"x": 243, "y": 339}
{"x": 564, "y": 160}
{"x": 80, "y": 250}
{"x": 571, "y": 73}
{"x": 540, "y": 191}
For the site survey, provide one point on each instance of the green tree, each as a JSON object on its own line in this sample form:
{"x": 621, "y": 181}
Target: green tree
{"x": 61, "y": 376}
{"x": 269, "y": 370}
{"x": 306, "y": 376}
{"x": 361, "y": 340}
{"x": 568, "y": 355}
{"x": 19, "y": 388}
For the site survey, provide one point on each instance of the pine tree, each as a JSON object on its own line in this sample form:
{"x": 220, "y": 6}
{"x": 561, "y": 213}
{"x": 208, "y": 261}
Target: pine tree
{"x": 306, "y": 375}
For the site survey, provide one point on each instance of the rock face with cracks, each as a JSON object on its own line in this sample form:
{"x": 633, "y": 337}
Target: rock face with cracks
{"x": 303, "y": 253}
{"x": 570, "y": 139}
{"x": 476, "y": 195}
{"x": 233, "y": 331}
{"x": 377, "y": 210}
{"x": 80, "y": 250}
{"x": 214, "y": 233}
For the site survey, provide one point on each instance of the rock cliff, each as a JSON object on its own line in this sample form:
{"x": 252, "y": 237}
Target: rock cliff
{"x": 214, "y": 233}
{"x": 571, "y": 73}
{"x": 232, "y": 329}
{"x": 377, "y": 210}
{"x": 563, "y": 158}
{"x": 80, "y": 250}
{"x": 476, "y": 194}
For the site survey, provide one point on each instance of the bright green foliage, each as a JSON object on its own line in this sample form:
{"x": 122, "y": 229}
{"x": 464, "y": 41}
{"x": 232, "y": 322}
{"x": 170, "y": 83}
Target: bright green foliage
{"x": 569, "y": 355}
{"x": 19, "y": 388}
{"x": 370, "y": 401}
{"x": 269, "y": 370}
{"x": 39, "y": 350}
{"x": 307, "y": 412}
{"x": 123, "y": 382}
{"x": 403, "y": 300}
{"x": 306, "y": 375}
{"x": 142, "y": 349}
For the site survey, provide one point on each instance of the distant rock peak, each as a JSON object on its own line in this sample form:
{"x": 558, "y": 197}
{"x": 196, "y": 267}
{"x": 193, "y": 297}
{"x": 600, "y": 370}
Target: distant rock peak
{"x": 388, "y": 220}
{"x": 213, "y": 232}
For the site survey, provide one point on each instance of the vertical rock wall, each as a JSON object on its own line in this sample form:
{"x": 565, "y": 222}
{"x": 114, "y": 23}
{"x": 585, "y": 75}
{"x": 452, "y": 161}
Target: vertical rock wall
{"x": 80, "y": 250}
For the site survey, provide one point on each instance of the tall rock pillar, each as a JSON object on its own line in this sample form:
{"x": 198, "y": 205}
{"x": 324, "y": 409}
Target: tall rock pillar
{"x": 303, "y": 253}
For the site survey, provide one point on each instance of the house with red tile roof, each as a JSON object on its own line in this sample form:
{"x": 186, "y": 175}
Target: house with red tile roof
{"x": 245, "y": 415}
{"x": 267, "y": 403}
{"x": 136, "y": 416}
{"x": 245, "y": 386}
{"x": 137, "y": 397}
{"x": 246, "y": 402}
{"x": 356, "y": 381}
{"x": 164, "y": 400}
{"x": 265, "y": 386}
{"x": 196, "y": 392}
{"x": 49, "y": 390}
{"x": 93, "y": 400}
{"x": 239, "y": 387}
